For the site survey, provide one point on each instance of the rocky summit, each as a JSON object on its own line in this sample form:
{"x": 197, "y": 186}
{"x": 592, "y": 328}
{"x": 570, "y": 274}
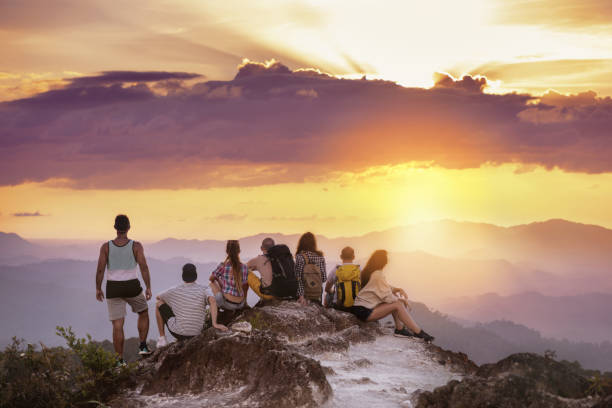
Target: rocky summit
{"x": 293, "y": 356}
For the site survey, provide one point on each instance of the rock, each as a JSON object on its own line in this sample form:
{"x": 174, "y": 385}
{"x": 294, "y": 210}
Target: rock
{"x": 266, "y": 372}
{"x": 459, "y": 362}
{"x": 547, "y": 374}
{"x": 244, "y": 327}
{"x": 313, "y": 329}
{"x": 604, "y": 403}
{"x": 520, "y": 380}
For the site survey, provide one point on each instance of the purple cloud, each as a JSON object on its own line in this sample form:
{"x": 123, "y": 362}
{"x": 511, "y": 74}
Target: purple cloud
{"x": 28, "y": 214}
{"x": 260, "y": 128}
{"x": 118, "y": 77}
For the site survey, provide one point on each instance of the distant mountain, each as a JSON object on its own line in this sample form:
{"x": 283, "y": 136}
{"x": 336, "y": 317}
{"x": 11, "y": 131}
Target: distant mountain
{"x": 14, "y": 249}
{"x": 583, "y": 317}
{"x": 38, "y": 297}
{"x": 486, "y": 343}
{"x": 557, "y": 246}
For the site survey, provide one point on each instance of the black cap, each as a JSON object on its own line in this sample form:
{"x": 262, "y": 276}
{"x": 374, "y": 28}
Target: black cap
{"x": 189, "y": 273}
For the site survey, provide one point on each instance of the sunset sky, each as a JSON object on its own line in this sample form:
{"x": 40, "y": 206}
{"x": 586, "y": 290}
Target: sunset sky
{"x": 204, "y": 119}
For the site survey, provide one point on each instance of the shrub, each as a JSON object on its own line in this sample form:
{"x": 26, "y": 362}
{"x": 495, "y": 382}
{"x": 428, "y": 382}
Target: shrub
{"x": 82, "y": 375}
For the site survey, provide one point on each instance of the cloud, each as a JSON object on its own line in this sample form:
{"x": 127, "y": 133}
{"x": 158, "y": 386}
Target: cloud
{"x": 114, "y": 77}
{"x": 28, "y": 214}
{"x": 258, "y": 128}
{"x": 467, "y": 83}
{"x": 556, "y": 13}
{"x": 228, "y": 217}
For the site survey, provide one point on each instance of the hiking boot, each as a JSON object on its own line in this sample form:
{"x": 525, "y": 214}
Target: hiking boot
{"x": 120, "y": 363}
{"x": 143, "y": 350}
{"x": 404, "y": 332}
{"x": 162, "y": 342}
{"x": 425, "y": 336}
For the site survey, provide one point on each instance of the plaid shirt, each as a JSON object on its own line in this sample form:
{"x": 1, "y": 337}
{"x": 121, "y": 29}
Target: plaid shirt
{"x": 299, "y": 268}
{"x": 224, "y": 275}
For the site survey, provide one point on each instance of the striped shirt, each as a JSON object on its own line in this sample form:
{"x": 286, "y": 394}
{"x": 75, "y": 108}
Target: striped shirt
{"x": 225, "y": 276}
{"x": 188, "y": 302}
{"x": 300, "y": 262}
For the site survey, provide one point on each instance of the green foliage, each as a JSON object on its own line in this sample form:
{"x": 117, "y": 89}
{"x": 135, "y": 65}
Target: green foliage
{"x": 600, "y": 386}
{"x": 259, "y": 323}
{"x": 99, "y": 374}
{"x": 82, "y": 375}
{"x": 30, "y": 378}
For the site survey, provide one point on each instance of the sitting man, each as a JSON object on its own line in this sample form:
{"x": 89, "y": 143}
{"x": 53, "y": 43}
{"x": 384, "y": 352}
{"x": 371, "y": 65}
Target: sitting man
{"x": 183, "y": 308}
{"x": 261, "y": 263}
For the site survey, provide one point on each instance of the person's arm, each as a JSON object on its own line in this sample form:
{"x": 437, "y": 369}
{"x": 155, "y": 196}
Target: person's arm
{"x": 213, "y": 314}
{"x": 163, "y": 296}
{"x": 323, "y": 270}
{"x": 213, "y": 276}
{"x": 400, "y": 291}
{"x": 252, "y": 264}
{"x": 299, "y": 275}
{"x": 102, "y": 261}
{"x": 144, "y": 268}
{"x": 383, "y": 290}
{"x": 331, "y": 280}
{"x": 245, "y": 280}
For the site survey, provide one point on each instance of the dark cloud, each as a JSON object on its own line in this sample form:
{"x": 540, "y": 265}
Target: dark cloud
{"x": 28, "y": 214}
{"x": 259, "y": 128}
{"x": 115, "y": 77}
{"x": 249, "y": 69}
{"x": 467, "y": 83}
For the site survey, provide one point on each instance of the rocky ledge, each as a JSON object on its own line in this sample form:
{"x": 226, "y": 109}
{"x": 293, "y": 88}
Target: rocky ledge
{"x": 520, "y": 380}
{"x": 289, "y": 355}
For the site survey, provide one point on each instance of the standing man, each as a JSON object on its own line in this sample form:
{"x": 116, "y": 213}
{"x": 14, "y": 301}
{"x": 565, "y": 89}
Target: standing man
{"x": 122, "y": 257}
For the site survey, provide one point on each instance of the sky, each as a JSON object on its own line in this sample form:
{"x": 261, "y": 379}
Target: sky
{"x": 204, "y": 119}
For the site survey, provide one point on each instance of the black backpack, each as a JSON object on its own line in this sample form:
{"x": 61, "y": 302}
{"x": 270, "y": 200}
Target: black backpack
{"x": 284, "y": 285}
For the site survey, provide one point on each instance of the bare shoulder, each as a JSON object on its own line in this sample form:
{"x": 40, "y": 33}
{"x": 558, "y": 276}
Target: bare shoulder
{"x": 138, "y": 246}
{"x": 104, "y": 248}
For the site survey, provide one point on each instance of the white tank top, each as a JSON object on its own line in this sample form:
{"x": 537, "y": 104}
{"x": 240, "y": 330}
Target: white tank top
{"x": 122, "y": 264}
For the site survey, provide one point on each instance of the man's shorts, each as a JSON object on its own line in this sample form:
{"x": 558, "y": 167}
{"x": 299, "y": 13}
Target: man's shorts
{"x": 116, "y": 306}
{"x": 166, "y": 313}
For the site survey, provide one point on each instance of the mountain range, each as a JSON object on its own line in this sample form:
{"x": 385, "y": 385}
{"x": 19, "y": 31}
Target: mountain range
{"x": 551, "y": 276}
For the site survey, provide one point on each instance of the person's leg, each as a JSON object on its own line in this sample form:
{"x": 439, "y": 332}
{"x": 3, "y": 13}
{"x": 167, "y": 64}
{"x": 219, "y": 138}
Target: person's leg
{"x": 118, "y": 336}
{"x": 139, "y": 305}
{"x": 398, "y": 323}
{"x": 255, "y": 285}
{"x": 143, "y": 325}
{"x": 160, "y": 320}
{"x": 398, "y": 307}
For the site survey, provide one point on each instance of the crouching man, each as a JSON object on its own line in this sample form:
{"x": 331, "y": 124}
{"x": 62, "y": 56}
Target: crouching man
{"x": 183, "y": 308}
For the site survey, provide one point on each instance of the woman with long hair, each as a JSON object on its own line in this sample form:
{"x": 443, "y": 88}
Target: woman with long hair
{"x": 307, "y": 253}
{"x": 378, "y": 299}
{"x": 229, "y": 281}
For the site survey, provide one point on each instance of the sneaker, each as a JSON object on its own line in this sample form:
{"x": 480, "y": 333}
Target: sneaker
{"x": 120, "y": 363}
{"x": 425, "y": 336}
{"x": 162, "y": 342}
{"x": 404, "y": 332}
{"x": 143, "y": 350}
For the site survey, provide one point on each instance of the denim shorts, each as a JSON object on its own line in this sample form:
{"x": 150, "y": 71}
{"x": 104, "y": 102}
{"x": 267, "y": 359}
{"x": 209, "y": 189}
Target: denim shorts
{"x": 225, "y": 304}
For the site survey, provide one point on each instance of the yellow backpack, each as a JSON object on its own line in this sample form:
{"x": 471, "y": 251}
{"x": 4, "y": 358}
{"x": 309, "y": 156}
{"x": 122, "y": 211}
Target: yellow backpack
{"x": 348, "y": 284}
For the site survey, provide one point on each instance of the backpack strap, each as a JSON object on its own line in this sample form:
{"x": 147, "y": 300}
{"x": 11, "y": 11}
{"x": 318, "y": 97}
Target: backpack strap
{"x": 305, "y": 257}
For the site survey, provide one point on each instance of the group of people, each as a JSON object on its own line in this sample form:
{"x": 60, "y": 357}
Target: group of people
{"x": 304, "y": 278}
